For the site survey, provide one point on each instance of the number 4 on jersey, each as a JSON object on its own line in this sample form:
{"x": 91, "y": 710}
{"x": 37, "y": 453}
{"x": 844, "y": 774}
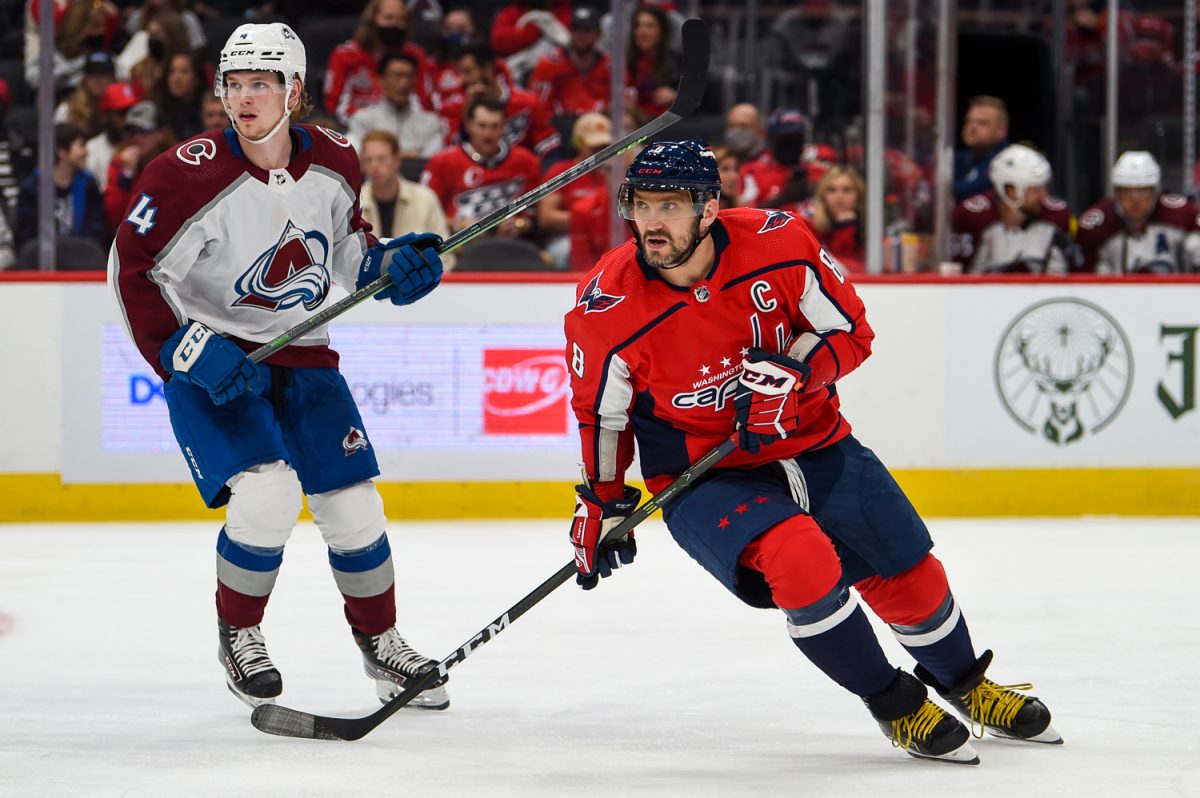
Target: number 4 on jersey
{"x": 142, "y": 215}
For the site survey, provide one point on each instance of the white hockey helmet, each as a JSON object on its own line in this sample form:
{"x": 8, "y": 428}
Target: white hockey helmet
{"x": 274, "y": 47}
{"x": 1021, "y": 167}
{"x": 1136, "y": 169}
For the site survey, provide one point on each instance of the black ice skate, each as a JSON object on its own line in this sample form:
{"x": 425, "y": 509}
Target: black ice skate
{"x": 996, "y": 707}
{"x": 249, "y": 672}
{"x": 392, "y": 663}
{"x": 919, "y": 726}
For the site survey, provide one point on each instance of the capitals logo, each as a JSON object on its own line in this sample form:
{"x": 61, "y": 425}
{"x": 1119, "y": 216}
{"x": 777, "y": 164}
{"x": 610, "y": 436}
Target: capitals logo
{"x": 291, "y": 272}
{"x": 596, "y": 301}
{"x": 774, "y": 221}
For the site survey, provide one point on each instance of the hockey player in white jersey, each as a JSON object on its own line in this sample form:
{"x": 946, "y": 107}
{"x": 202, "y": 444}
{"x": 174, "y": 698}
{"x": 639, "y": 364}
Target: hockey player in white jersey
{"x": 1140, "y": 229}
{"x": 232, "y": 238}
{"x": 1017, "y": 227}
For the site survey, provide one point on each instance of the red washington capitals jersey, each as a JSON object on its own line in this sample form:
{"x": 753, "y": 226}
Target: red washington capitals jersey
{"x": 210, "y": 237}
{"x": 470, "y": 187}
{"x": 660, "y": 363}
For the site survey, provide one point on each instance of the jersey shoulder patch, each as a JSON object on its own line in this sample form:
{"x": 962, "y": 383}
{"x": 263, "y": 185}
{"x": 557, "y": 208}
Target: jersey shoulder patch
{"x": 196, "y": 151}
{"x": 774, "y": 219}
{"x": 593, "y": 298}
{"x": 1091, "y": 219}
{"x": 977, "y": 204}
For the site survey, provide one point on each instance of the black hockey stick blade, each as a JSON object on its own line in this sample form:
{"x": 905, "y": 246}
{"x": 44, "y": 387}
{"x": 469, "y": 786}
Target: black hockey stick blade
{"x": 692, "y": 81}
{"x": 287, "y": 722}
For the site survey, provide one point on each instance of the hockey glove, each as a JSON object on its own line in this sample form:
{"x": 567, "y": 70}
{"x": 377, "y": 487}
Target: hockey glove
{"x": 197, "y": 355}
{"x": 593, "y": 518}
{"x": 411, "y": 260}
{"x": 767, "y": 399}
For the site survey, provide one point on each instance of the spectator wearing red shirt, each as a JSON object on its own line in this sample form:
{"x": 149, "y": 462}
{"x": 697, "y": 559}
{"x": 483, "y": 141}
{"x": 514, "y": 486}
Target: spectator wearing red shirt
{"x": 527, "y": 120}
{"x": 653, "y": 67}
{"x": 575, "y": 79}
{"x": 773, "y": 178}
{"x": 483, "y": 174}
{"x": 513, "y": 30}
{"x": 352, "y": 76}
{"x": 836, "y": 215}
{"x": 440, "y": 81}
{"x": 592, "y": 132}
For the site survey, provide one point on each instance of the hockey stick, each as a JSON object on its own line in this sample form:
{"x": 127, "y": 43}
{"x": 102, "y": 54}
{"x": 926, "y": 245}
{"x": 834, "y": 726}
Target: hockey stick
{"x": 693, "y": 78}
{"x": 274, "y": 719}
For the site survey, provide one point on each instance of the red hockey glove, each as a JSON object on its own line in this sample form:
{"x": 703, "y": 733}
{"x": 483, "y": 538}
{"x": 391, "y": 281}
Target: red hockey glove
{"x": 594, "y": 517}
{"x": 767, "y": 399}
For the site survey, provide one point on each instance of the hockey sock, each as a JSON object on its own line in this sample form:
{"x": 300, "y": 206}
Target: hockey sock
{"x": 924, "y": 617}
{"x": 367, "y": 582}
{"x": 245, "y": 578}
{"x": 836, "y": 636}
{"x": 942, "y": 644}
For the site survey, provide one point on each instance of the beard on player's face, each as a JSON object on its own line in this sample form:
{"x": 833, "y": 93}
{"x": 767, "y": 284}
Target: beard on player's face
{"x": 662, "y": 248}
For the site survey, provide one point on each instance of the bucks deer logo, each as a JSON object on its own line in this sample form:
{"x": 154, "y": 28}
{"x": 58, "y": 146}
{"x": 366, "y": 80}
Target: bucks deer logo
{"x": 1064, "y": 370}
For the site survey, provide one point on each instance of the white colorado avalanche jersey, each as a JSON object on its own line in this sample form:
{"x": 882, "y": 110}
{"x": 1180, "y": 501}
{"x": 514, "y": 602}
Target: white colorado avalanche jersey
{"x": 1169, "y": 243}
{"x": 251, "y": 253}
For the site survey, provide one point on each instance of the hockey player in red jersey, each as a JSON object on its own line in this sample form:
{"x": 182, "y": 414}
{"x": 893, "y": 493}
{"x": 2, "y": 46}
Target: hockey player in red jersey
{"x": 711, "y": 323}
{"x": 1140, "y": 229}
{"x": 233, "y": 238}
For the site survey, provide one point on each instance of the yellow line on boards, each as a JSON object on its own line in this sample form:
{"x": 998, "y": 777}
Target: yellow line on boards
{"x": 935, "y": 493}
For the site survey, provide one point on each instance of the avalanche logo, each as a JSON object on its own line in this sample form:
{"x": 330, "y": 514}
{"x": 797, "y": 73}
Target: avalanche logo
{"x": 595, "y": 300}
{"x": 774, "y": 221}
{"x": 354, "y": 441}
{"x": 291, "y": 272}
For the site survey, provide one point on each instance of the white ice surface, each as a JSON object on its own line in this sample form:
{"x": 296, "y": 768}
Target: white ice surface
{"x": 656, "y": 684}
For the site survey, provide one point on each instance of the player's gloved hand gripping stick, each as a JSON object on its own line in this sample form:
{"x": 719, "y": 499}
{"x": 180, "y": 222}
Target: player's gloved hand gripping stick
{"x": 693, "y": 77}
{"x": 275, "y": 719}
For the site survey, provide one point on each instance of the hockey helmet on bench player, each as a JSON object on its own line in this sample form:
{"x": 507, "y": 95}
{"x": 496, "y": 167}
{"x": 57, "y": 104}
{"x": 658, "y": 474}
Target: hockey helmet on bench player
{"x": 672, "y": 166}
{"x": 1022, "y": 168}
{"x": 273, "y": 47}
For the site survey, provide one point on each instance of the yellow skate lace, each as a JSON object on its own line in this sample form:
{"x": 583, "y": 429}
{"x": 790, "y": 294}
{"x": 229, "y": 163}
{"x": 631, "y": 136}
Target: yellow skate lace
{"x": 992, "y": 704}
{"x": 919, "y": 725}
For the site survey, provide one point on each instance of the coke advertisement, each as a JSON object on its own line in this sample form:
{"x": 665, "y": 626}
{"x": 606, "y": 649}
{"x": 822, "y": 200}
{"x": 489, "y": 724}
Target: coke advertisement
{"x": 526, "y": 392}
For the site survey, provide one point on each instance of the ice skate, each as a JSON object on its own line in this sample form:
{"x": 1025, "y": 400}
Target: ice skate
{"x": 998, "y": 708}
{"x": 393, "y": 664}
{"x": 249, "y": 672}
{"x": 914, "y": 723}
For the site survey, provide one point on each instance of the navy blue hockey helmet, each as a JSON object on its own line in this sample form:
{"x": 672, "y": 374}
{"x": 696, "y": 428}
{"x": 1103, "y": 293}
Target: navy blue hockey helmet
{"x": 673, "y": 166}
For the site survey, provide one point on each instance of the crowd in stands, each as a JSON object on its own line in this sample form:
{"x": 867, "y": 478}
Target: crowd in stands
{"x": 457, "y": 114}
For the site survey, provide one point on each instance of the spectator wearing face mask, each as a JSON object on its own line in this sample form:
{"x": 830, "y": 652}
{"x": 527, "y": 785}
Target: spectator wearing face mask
{"x": 745, "y": 135}
{"x": 440, "y": 82}
{"x": 351, "y": 78}
{"x": 196, "y": 40}
{"x": 772, "y": 179}
{"x": 144, "y": 59}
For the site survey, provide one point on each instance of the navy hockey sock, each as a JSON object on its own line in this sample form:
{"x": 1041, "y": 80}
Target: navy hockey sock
{"x": 836, "y": 636}
{"x": 941, "y": 643}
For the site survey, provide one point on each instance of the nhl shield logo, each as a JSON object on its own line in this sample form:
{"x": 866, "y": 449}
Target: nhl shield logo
{"x": 354, "y": 441}
{"x": 702, "y": 294}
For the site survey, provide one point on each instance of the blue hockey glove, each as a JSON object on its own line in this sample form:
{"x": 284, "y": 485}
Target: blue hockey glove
{"x": 767, "y": 399}
{"x": 593, "y": 518}
{"x": 413, "y": 262}
{"x": 198, "y": 355}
